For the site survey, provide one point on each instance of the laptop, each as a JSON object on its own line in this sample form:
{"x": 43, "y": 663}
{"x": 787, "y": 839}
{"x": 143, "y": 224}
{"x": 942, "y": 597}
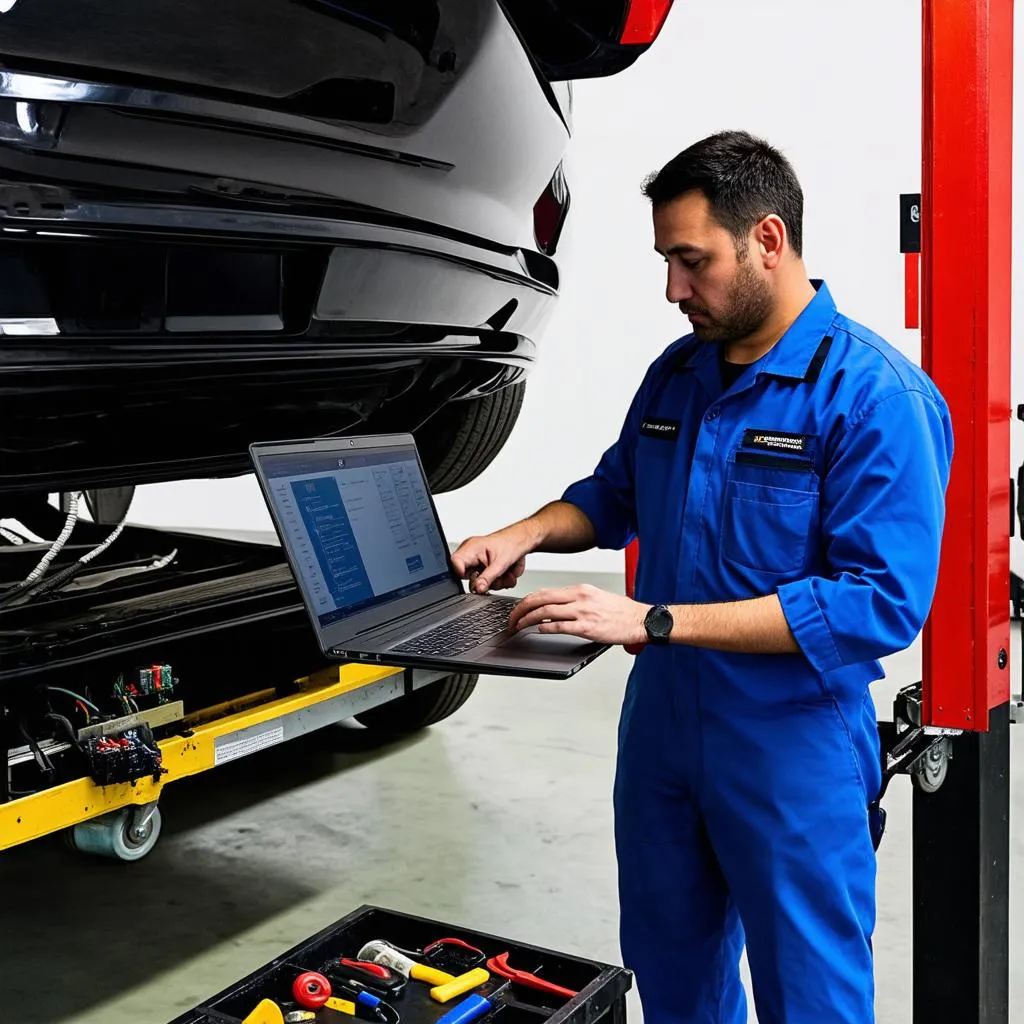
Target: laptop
{"x": 359, "y": 528}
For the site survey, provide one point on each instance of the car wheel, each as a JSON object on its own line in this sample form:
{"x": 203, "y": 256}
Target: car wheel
{"x": 464, "y": 438}
{"x": 421, "y": 708}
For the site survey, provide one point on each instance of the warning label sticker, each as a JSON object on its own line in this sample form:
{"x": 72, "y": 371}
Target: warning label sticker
{"x": 233, "y": 746}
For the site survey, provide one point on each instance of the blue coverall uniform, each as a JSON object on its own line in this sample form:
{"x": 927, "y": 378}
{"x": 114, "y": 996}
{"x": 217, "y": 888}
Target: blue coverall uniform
{"x": 743, "y": 781}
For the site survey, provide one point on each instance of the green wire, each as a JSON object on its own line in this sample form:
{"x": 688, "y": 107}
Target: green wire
{"x": 77, "y": 696}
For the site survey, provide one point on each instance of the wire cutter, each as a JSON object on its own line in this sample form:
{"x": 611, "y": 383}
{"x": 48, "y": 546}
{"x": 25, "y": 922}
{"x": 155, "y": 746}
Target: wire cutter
{"x": 499, "y": 965}
{"x": 453, "y": 955}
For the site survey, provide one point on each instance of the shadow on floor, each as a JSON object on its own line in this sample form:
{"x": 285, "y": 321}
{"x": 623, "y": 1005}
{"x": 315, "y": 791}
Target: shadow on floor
{"x": 270, "y": 773}
{"x": 98, "y": 927}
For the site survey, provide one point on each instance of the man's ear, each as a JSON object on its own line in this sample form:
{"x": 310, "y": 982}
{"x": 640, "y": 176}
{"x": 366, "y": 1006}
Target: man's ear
{"x": 771, "y": 238}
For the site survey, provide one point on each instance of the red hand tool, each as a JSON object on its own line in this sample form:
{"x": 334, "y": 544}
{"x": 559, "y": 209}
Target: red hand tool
{"x": 499, "y": 965}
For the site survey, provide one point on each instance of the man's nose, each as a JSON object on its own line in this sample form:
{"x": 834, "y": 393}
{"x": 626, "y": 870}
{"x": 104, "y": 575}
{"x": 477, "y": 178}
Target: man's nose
{"x": 678, "y": 289}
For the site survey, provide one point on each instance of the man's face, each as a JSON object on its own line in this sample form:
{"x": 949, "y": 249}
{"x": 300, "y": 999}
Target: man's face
{"x": 726, "y": 295}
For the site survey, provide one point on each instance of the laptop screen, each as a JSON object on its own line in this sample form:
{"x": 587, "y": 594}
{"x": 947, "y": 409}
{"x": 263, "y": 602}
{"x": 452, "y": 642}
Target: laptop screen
{"x": 359, "y": 526}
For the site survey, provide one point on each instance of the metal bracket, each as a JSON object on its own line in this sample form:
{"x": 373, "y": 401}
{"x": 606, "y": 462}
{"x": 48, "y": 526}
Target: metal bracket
{"x": 141, "y": 817}
{"x": 163, "y": 714}
{"x": 922, "y": 752}
{"x": 1017, "y": 710}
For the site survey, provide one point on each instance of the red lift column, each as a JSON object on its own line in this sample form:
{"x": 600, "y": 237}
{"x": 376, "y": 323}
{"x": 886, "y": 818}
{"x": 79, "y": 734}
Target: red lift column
{"x": 961, "y": 832}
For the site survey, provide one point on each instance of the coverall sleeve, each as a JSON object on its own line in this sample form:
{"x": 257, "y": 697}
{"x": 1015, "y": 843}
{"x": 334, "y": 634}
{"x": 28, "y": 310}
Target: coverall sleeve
{"x": 882, "y": 516}
{"x": 607, "y": 496}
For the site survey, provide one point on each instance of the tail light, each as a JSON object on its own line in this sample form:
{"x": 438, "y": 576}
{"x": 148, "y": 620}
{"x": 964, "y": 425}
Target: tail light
{"x": 644, "y": 21}
{"x": 549, "y": 213}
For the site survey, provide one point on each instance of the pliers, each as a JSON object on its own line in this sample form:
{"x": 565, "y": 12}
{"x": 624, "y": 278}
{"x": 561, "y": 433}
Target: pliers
{"x": 499, "y": 965}
{"x": 360, "y": 975}
{"x": 453, "y": 955}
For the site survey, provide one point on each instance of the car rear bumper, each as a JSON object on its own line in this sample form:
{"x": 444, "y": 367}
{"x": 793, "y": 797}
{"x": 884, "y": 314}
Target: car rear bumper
{"x": 390, "y": 323}
{"x": 394, "y": 272}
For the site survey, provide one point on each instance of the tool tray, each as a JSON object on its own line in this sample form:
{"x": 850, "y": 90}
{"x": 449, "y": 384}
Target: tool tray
{"x": 601, "y": 988}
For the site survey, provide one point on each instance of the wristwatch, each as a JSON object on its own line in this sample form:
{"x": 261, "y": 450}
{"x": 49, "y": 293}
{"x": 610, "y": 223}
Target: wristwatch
{"x": 658, "y": 623}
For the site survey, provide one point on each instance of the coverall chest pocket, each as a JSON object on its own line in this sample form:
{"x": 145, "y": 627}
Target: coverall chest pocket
{"x": 770, "y": 514}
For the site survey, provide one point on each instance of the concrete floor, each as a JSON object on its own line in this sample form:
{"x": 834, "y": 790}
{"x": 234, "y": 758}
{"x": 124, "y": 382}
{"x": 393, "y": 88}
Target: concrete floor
{"x": 498, "y": 819}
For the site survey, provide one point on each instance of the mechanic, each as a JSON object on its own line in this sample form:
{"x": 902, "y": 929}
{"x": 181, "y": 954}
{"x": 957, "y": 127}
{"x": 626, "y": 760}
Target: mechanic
{"x": 785, "y": 471}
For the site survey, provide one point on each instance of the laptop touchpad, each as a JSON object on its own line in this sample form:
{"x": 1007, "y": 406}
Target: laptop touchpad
{"x": 532, "y": 642}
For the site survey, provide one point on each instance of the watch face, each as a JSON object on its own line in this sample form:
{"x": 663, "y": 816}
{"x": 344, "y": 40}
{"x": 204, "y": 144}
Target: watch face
{"x": 659, "y": 622}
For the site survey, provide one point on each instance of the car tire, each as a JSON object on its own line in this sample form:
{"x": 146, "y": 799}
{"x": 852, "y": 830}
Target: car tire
{"x": 421, "y": 708}
{"x": 464, "y": 438}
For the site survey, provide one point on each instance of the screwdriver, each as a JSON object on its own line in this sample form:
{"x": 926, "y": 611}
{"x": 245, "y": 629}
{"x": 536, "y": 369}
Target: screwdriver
{"x": 461, "y": 985}
{"x": 474, "y": 1007}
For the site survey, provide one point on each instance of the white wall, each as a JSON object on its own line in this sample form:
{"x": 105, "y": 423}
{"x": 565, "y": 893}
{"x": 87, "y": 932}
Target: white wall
{"x": 836, "y": 86}
{"x": 849, "y": 124}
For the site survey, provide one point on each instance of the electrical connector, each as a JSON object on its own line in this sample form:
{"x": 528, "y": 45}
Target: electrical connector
{"x": 125, "y": 758}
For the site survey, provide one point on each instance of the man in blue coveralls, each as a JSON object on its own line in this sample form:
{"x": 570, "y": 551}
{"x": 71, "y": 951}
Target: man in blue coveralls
{"x": 785, "y": 471}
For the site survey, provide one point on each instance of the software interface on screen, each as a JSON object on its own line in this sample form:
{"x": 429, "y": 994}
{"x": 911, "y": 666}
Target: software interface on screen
{"x": 359, "y": 526}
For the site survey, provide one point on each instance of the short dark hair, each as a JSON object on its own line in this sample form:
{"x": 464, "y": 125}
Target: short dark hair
{"x": 743, "y": 178}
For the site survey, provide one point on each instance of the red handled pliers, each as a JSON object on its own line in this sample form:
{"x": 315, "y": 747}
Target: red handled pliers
{"x": 499, "y": 965}
{"x": 453, "y": 955}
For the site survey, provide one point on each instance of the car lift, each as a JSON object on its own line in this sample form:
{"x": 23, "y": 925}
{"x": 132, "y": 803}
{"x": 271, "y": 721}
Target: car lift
{"x": 123, "y": 821}
{"x": 962, "y": 710}
{"x": 961, "y": 831}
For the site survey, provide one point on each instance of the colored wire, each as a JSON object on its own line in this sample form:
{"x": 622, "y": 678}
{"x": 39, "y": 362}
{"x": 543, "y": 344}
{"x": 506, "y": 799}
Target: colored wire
{"x": 81, "y": 705}
{"x": 76, "y": 696}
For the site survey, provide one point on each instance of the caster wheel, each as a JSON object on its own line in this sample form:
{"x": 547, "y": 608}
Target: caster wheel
{"x": 929, "y": 773}
{"x": 127, "y": 835}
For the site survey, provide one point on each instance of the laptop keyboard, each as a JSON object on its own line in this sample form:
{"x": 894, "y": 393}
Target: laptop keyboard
{"x": 462, "y": 634}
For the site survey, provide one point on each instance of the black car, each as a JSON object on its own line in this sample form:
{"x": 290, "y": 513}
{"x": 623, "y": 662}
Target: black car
{"x": 224, "y": 221}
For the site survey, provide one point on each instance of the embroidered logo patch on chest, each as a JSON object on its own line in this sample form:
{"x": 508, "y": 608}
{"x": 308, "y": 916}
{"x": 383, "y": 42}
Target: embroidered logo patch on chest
{"x": 776, "y": 441}
{"x": 666, "y": 430}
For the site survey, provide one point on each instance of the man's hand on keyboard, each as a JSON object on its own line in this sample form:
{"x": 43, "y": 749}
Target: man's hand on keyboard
{"x": 585, "y": 611}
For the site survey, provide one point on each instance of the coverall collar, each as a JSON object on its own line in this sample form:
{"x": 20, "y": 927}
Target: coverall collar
{"x": 799, "y": 352}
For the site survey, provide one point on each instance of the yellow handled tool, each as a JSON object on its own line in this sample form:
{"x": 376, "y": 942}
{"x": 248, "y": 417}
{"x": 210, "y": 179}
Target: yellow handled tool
{"x": 341, "y": 1005}
{"x": 461, "y": 985}
{"x": 266, "y": 1012}
{"x": 428, "y": 974}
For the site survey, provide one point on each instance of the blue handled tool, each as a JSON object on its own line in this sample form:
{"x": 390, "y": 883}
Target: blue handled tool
{"x": 474, "y": 1007}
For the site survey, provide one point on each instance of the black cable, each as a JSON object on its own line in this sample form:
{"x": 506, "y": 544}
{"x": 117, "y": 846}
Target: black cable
{"x": 35, "y": 586}
{"x": 68, "y": 728}
{"x": 44, "y": 764}
{"x": 55, "y": 548}
{"x": 31, "y": 591}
